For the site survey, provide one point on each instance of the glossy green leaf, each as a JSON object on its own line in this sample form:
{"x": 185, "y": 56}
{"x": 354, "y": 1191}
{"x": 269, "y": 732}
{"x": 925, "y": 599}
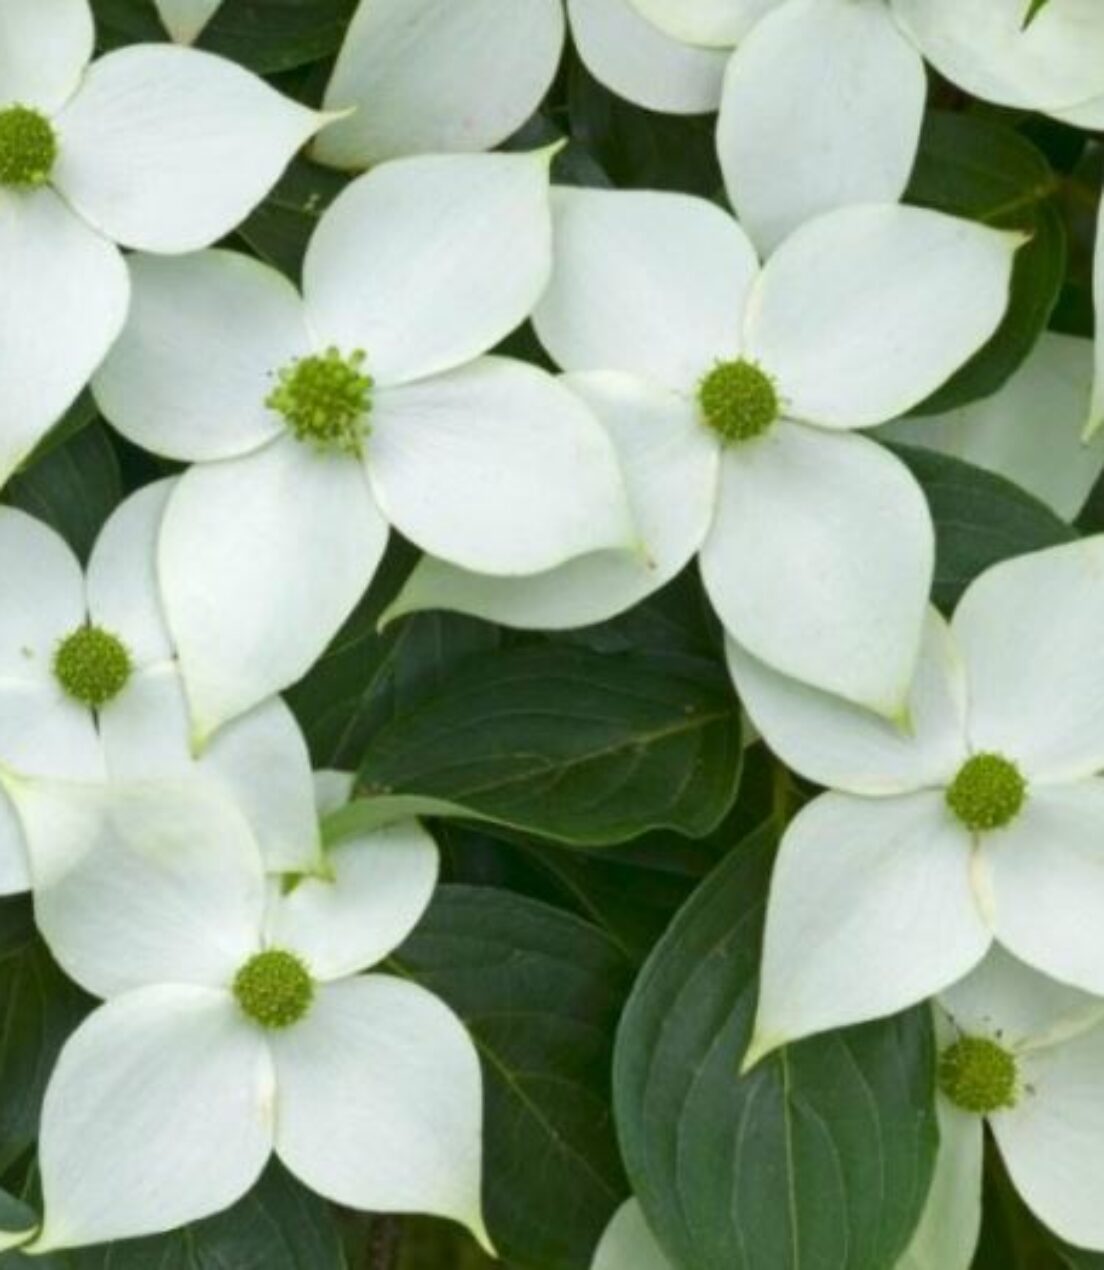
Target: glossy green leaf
{"x": 541, "y": 992}
{"x": 265, "y": 35}
{"x": 73, "y": 488}
{"x": 279, "y": 1225}
{"x": 39, "y": 1007}
{"x": 570, "y": 744}
{"x": 980, "y": 519}
{"x": 971, "y": 166}
{"x": 819, "y": 1159}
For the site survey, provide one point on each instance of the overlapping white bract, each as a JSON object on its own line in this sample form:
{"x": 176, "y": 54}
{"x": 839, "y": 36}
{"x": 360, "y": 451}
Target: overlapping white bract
{"x": 158, "y": 148}
{"x": 142, "y": 731}
{"x": 881, "y": 896}
{"x": 424, "y": 265}
{"x": 153, "y": 896}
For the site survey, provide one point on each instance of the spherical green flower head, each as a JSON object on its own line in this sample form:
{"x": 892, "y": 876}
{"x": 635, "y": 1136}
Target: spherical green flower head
{"x": 987, "y": 793}
{"x": 738, "y": 401}
{"x": 274, "y": 988}
{"x": 28, "y": 147}
{"x": 978, "y": 1075}
{"x": 325, "y": 400}
{"x": 92, "y": 665}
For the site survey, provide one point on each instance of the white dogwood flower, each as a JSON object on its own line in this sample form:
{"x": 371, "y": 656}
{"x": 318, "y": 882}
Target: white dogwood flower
{"x": 152, "y": 147}
{"x": 89, "y": 686}
{"x": 236, "y": 1021}
{"x": 985, "y": 822}
{"x": 317, "y": 422}
{"x": 1024, "y": 1055}
{"x": 733, "y": 393}
{"x": 1029, "y": 430}
{"x": 428, "y": 76}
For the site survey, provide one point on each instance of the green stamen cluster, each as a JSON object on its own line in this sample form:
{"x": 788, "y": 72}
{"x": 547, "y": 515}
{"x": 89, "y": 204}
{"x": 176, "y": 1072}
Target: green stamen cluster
{"x": 978, "y": 1075}
{"x": 274, "y": 988}
{"x": 738, "y": 401}
{"x": 92, "y": 665}
{"x": 28, "y": 147}
{"x": 326, "y": 400}
{"x": 987, "y": 793}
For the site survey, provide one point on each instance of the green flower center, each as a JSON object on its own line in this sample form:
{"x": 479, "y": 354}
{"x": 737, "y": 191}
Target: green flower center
{"x": 978, "y": 1075}
{"x": 28, "y": 147}
{"x": 738, "y": 401}
{"x": 987, "y": 793}
{"x": 274, "y": 988}
{"x": 92, "y": 665}
{"x": 325, "y": 400}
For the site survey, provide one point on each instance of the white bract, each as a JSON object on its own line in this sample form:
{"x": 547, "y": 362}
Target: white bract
{"x": 236, "y": 1022}
{"x": 1025, "y": 1055}
{"x": 434, "y": 75}
{"x": 628, "y": 1243}
{"x": 153, "y": 147}
{"x": 317, "y": 422}
{"x": 90, "y": 688}
{"x": 733, "y": 393}
{"x": 984, "y": 822}
{"x": 1029, "y": 430}
{"x": 822, "y": 100}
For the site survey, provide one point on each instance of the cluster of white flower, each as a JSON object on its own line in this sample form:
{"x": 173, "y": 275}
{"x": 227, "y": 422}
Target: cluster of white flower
{"x": 718, "y": 373}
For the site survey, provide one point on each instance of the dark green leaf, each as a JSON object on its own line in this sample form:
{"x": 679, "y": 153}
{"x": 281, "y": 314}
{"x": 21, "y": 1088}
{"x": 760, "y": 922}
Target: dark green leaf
{"x": 819, "y": 1159}
{"x": 973, "y": 167}
{"x": 570, "y": 744}
{"x": 39, "y": 1007}
{"x": 279, "y": 1225}
{"x": 74, "y": 488}
{"x": 279, "y": 230}
{"x": 980, "y": 519}
{"x": 265, "y": 35}
{"x": 541, "y": 992}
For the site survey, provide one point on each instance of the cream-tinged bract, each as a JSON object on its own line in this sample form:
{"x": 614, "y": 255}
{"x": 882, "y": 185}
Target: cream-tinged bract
{"x": 90, "y": 688}
{"x": 430, "y": 76}
{"x": 734, "y": 393}
{"x": 236, "y": 1021}
{"x": 1047, "y": 1125}
{"x": 185, "y": 19}
{"x": 1029, "y": 430}
{"x": 628, "y": 1244}
{"x": 983, "y": 822}
{"x": 151, "y": 147}
{"x": 317, "y": 422}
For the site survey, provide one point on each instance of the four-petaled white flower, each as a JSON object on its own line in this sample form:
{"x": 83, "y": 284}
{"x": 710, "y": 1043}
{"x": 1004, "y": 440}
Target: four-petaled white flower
{"x": 236, "y": 1021}
{"x": 985, "y": 822}
{"x": 154, "y": 147}
{"x": 822, "y": 101}
{"x": 317, "y": 422}
{"x": 1025, "y": 1055}
{"x": 429, "y": 76}
{"x": 733, "y": 393}
{"x": 89, "y": 686}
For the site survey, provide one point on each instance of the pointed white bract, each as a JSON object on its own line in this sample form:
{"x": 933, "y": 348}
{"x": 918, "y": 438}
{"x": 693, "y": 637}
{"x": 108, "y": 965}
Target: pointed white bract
{"x": 141, "y": 730}
{"x": 652, "y": 294}
{"x": 982, "y": 819}
{"x": 1048, "y": 1126}
{"x": 237, "y": 1023}
{"x": 155, "y": 147}
{"x": 417, "y": 270}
